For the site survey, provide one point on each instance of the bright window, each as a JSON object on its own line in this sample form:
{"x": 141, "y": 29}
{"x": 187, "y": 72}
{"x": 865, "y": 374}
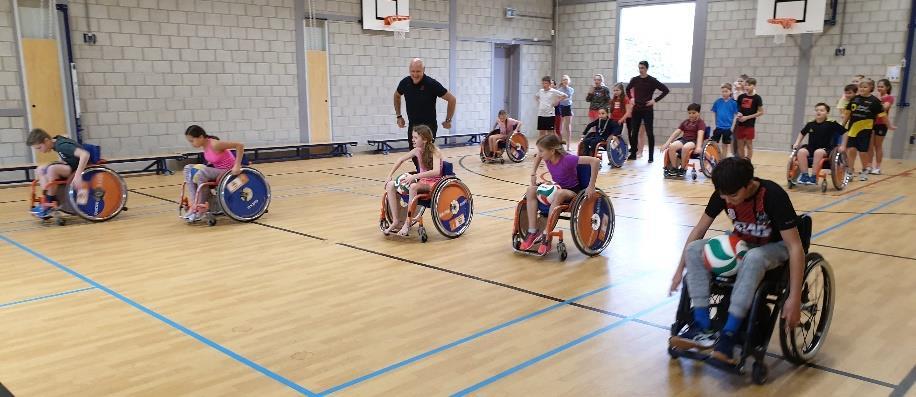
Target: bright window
{"x": 660, "y": 34}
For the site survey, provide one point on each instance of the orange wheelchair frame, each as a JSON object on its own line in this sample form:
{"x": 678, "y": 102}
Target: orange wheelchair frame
{"x": 451, "y": 205}
{"x": 708, "y": 158}
{"x": 591, "y": 222}
{"x": 837, "y": 170}
{"x": 66, "y": 192}
{"x": 214, "y": 189}
{"x": 517, "y": 154}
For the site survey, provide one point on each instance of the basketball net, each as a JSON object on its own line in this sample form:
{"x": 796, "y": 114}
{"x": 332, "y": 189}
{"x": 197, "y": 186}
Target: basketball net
{"x": 786, "y": 23}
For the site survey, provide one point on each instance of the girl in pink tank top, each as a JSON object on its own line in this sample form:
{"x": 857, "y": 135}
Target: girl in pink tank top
{"x": 430, "y": 159}
{"x": 220, "y": 159}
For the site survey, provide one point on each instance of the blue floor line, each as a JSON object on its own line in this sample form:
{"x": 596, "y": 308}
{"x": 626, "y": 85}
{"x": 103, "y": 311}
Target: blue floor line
{"x": 856, "y": 217}
{"x": 43, "y": 297}
{"x": 173, "y": 324}
{"x": 563, "y": 347}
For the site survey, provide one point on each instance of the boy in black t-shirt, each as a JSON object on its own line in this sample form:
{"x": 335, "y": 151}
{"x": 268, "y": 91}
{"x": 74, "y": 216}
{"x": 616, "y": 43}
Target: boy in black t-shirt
{"x": 861, "y": 113}
{"x": 764, "y": 218}
{"x": 750, "y": 107}
{"x": 822, "y": 137}
{"x": 73, "y": 161}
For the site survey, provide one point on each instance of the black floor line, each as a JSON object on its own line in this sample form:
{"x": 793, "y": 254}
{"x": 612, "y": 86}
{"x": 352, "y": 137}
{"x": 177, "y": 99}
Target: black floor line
{"x": 549, "y": 297}
{"x": 865, "y": 252}
{"x": 151, "y": 196}
{"x": 4, "y": 392}
{"x": 290, "y": 231}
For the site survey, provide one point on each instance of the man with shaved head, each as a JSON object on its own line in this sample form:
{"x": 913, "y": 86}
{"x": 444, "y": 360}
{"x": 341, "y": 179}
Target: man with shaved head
{"x": 420, "y": 92}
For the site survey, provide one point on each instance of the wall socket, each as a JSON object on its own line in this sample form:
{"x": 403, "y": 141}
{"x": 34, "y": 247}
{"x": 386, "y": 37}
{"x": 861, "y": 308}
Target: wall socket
{"x": 840, "y": 51}
{"x": 89, "y": 38}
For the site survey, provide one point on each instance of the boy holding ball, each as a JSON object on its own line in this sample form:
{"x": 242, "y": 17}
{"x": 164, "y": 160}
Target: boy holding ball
{"x": 765, "y": 219}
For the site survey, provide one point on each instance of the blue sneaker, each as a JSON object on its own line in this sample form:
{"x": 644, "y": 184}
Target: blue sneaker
{"x": 40, "y": 212}
{"x": 725, "y": 349}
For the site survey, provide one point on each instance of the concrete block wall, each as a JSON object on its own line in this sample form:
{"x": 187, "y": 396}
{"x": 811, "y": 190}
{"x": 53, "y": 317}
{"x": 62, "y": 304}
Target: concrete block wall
{"x": 732, "y": 48}
{"x": 161, "y": 65}
{"x": 487, "y": 19}
{"x": 585, "y": 47}
{"x": 12, "y": 129}
{"x": 535, "y": 64}
{"x": 874, "y": 38}
{"x": 366, "y": 67}
{"x": 474, "y": 86}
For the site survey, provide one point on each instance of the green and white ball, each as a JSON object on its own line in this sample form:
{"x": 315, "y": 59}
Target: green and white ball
{"x": 723, "y": 254}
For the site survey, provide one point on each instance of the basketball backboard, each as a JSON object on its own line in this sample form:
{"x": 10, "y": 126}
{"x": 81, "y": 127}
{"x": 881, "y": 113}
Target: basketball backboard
{"x": 375, "y": 13}
{"x": 809, "y": 16}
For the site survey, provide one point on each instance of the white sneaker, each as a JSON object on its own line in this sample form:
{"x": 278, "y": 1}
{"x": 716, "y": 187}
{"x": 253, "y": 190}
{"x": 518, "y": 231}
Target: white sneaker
{"x": 875, "y": 171}
{"x": 193, "y": 217}
{"x": 849, "y": 176}
{"x": 863, "y": 176}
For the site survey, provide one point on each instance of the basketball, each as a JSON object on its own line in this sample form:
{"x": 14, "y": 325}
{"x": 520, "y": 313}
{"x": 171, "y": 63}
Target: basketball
{"x": 546, "y": 193}
{"x": 723, "y": 254}
{"x": 399, "y": 184}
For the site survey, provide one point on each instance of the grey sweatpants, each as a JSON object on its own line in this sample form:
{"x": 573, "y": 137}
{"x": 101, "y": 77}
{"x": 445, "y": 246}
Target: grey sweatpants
{"x": 197, "y": 174}
{"x": 750, "y": 273}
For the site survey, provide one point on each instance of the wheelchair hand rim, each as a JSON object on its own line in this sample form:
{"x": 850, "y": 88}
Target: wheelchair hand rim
{"x": 838, "y": 169}
{"x": 592, "y": 223}
{"x": 258, "y": 209}
{"x": 452, "y": 207}
{"x": 517, "y": 147}
{"x": 107, "y": 194}
{"x": 619, "y": 155}
{"x": 817, "y": 308}
{"x": 710, "y": 158}
{"x": 792, "y": 167}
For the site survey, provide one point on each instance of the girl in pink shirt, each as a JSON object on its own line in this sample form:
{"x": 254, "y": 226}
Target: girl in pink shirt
{"x": 504, "y": 127}
{"x": 220, "y": 159}
{"x": 429, "y": 159}
{"x": 882, "y": 124}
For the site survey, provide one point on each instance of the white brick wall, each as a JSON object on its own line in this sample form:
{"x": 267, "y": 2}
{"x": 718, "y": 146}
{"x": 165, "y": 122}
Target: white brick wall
{"x": 12, "y": 129}
{"x": 160, "y": 66}
{"x": 366, "y": 67}
{"x": 474, "y": 86}
{"x": 486, "y": 18}
{"x": 535, "y": 60}
{"x": 585, "y": 48}
{"x": 732, "y": 48}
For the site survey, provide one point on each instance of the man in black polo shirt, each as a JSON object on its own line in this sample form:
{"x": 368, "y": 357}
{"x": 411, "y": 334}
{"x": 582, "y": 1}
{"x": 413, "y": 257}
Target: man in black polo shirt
{"x": 640, "y": 91}
{"x": 421, "y": 92}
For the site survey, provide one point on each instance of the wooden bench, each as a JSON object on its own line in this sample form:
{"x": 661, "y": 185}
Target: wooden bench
{"x": 473, "y": 138}
{"x": 303, "y": 151}
{"x": 157, "y": 164}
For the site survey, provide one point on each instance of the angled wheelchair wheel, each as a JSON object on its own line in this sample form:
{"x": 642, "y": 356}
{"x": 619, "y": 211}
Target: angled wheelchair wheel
{"x": 517, "y": 147}
{"x": 792, "y": 169}
{"x": 592, "y": 222}
{"x": 838, "y": 169}
{"x": 483, "y": 149}
{"x": 106, "y": 198}
{"x": 710, "y": 157}
{"x": 245, "y": 197}
{"x": 817, "y": 298}
{"x": 452, "y": 207}
{"x": 617, "y": 153}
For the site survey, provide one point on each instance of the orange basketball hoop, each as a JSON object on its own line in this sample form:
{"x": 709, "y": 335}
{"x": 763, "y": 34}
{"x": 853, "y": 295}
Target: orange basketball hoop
{"x": 391, "y": 19}
{"x": 787, "y": 23}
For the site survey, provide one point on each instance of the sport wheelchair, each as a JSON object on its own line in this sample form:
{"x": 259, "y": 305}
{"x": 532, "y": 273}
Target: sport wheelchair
{"x": 708, "y": 158}
{"x": 102, "y": 197}
{"x": 515, "y": 146}
{"x": 799, "y": 347}
{"x": 837, "y": 171}
{"x": 591, "y": 221}
{"x": 244, "y": 198}
{"x": 450, "y": 202}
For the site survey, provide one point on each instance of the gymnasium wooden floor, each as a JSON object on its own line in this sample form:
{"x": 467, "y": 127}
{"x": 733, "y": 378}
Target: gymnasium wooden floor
{"x": 313, "y": 300}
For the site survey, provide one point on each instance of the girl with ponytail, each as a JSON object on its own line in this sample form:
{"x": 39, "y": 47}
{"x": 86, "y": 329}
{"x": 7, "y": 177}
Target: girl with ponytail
{"x": 430, "y": 172}
{"x": 220, "y": 159}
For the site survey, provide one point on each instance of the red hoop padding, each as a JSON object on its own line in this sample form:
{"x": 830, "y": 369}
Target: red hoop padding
{"x": 389, "y": 20}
